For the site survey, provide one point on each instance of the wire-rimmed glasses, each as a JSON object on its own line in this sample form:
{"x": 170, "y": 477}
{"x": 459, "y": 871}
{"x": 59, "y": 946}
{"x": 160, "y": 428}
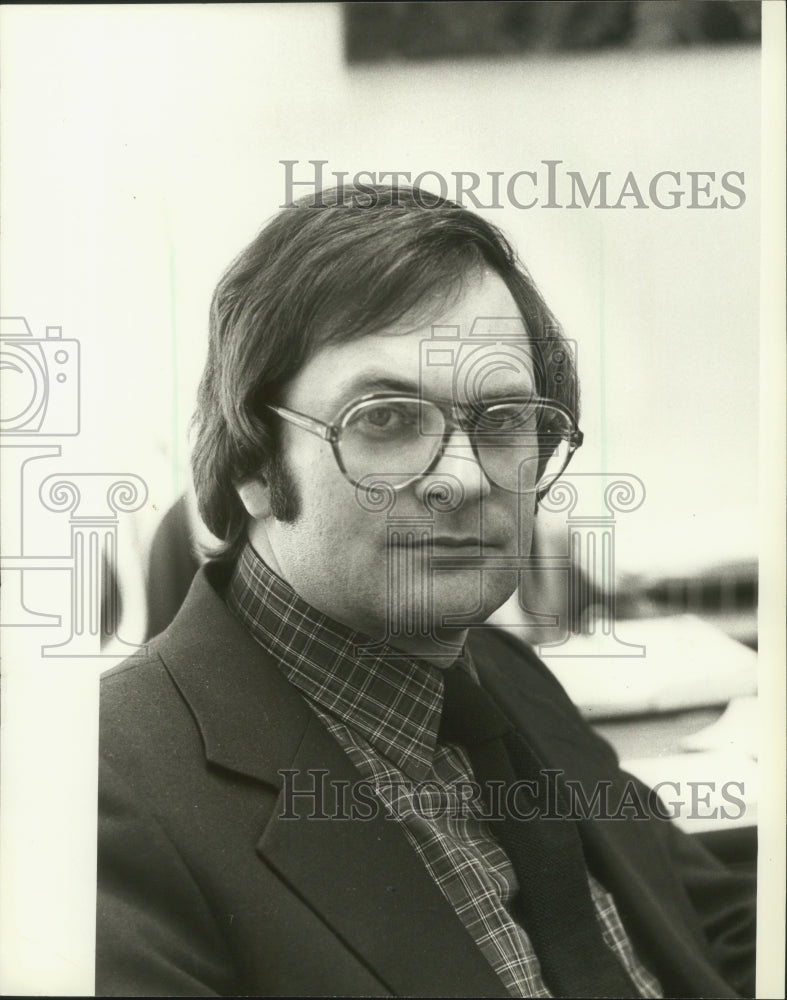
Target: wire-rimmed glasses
{"x": 522, "y": 443}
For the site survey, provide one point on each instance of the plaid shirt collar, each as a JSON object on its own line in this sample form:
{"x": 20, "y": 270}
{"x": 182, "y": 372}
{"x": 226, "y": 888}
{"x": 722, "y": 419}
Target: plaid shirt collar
{"x": 394, "y": 702}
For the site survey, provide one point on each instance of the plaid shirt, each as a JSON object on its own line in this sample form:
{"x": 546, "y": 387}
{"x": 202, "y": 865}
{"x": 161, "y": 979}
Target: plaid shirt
{"x": 384, "y": 711}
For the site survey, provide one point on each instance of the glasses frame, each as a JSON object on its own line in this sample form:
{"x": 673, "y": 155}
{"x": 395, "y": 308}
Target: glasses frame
{"x": 455, "y": 420}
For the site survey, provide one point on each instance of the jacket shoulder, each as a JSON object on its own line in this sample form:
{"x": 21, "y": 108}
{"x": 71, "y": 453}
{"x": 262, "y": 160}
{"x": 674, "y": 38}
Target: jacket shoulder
{"x": 516, "y": 658}
{"x": 142, "y": 714}
{"x": 137, "y": 678}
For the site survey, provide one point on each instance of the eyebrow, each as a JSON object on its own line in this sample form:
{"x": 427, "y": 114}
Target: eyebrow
{"x": 372, "y": 381}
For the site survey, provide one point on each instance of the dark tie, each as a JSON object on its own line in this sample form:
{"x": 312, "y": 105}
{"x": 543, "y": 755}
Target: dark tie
{"x": 554, "y": 905}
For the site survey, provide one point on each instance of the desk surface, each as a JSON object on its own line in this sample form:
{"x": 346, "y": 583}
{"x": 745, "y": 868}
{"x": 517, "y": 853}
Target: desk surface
{"x": 707, "y": 790}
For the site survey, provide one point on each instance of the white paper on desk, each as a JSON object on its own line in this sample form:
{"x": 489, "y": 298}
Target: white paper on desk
{"x": 737, "y": 729}
{"x": 686, "y": 663}
{"x": 702, "y": 791}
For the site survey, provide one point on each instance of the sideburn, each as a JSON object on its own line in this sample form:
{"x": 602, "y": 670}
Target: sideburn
{"x": 284, "y": 496}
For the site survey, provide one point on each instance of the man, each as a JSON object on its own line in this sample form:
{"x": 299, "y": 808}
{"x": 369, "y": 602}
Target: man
{"x": 323, "y": 779}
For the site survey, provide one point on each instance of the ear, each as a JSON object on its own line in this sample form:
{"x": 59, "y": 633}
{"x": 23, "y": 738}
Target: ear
{"x": 255, "y": 497}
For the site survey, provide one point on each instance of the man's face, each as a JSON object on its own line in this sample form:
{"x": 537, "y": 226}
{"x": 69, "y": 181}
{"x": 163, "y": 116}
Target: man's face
{"x": 350, "y": 557}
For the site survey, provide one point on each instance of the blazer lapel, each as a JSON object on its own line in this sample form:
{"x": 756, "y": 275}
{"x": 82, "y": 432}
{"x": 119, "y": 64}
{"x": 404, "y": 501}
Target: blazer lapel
{"x": 366, "y": 881}
{"x": 628, "y": 856}
{"x": 360, "y": 875}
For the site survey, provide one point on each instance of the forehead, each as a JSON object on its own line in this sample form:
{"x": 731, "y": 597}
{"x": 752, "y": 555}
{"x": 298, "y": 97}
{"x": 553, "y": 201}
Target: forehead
{"x": 475, "y": 347}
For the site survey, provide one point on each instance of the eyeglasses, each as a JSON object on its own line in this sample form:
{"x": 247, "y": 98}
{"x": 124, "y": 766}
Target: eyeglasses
{"x": 522, "y": 443}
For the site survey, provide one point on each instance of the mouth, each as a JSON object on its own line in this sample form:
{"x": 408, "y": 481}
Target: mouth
{"x": 448, "y": 542}
{"x": 456, "y": 543}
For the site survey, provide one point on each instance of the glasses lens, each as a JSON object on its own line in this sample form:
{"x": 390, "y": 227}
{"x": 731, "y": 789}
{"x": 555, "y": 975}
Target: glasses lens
{"x": 390, "y": 437}
{"x": 523, "y": 446}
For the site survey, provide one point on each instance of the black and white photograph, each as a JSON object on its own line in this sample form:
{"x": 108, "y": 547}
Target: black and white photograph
{"x": 393, "y": 495}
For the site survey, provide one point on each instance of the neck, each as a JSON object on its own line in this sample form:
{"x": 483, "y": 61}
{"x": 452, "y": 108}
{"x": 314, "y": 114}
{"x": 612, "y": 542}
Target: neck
{"x": 438, "y": 646}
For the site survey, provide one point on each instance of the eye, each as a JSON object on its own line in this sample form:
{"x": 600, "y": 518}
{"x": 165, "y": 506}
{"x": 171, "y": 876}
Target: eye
{"x": 381, "y": 416}
{"x": 385, "y": 419}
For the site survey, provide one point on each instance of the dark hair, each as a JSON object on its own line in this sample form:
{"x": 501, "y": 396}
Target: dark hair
{"x": 351, "y": 263}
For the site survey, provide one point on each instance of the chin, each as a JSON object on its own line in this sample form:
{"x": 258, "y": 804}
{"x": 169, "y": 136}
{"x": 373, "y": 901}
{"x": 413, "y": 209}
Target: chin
{"x": 469, "y": 597}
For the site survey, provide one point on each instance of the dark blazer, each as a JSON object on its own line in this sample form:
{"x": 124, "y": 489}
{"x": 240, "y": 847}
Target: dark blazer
{"x": 205, "y": 888}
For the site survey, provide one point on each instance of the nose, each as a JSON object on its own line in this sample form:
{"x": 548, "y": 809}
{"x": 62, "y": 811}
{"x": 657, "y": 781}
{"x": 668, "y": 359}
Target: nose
{"x": 459, "y": 462}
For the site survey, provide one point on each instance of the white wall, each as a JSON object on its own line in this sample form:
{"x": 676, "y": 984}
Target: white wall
{"x": 141, "y": 151}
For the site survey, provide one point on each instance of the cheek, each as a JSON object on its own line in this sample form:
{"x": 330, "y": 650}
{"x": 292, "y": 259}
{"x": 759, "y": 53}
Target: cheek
{"x": 322, "y": 488}
{"x": 334, "y": 522}
{"x": 524, "y": 513}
